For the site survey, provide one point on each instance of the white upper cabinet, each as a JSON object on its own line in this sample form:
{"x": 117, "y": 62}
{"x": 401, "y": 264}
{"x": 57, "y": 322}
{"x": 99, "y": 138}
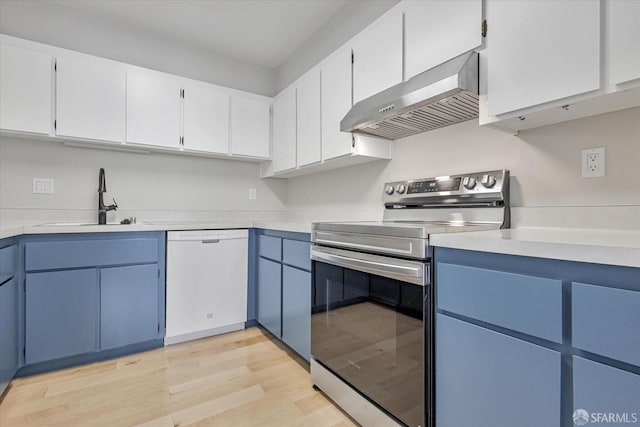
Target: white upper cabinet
{"x": 623, "y": 40}
{"x": 250, "y": 125}
{"x": 153, "y": 110}
{"x": 284, "y": 131}
{"x": 377, "y": 56}
{"x": 90, "y": 98}
{"x": 336, "y": 102}
{"x": 25, "y": 90}
{"x": 205, "y": 119}
{"x": 540, "y": 51}
{"x": 438, "y": 30}
{"x": 308, "y": 118}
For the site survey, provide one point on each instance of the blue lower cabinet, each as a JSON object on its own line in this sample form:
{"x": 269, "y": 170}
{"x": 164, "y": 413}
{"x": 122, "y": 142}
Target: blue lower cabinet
{"x": 296, "y": 310}
{"x": 488, "y": 379}
{"x": 269, "y": 301}
{"x": 604, "y": 394}
{"x": 128, "y": 305}
{"x": 8, "y": 332}
{"x": 61, "y": 309}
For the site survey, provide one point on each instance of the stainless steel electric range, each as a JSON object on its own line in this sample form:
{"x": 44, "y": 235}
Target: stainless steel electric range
{"x": 372, "y": 299}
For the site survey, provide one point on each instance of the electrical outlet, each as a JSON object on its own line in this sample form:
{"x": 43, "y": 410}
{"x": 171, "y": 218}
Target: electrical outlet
{"x": 252, "y": 194}
{"x": 593, "y": 161}
{"x": 42, "y": 186}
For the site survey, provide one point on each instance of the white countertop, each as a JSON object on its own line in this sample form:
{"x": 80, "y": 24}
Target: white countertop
{"x": 12, "y": 231}
{"x": 602, "y": 246}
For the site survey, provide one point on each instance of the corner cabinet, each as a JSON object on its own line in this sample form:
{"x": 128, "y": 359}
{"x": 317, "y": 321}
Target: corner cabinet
{"x": 87, "y": 294}
{"x": 514, "y": 333}
{"x": 283, "y": 288}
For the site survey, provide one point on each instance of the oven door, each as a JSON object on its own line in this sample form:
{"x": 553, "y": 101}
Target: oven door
{"x": 368, "y": 327}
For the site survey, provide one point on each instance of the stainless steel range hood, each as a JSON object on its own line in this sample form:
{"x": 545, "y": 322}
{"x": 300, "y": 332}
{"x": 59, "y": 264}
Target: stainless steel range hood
{"x": 438, "y": 97}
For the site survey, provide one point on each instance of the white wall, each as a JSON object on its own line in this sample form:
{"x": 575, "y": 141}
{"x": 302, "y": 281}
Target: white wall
{"x": 149, "y": 186}
{"x": 90, "y": 33}
{"x": 545, "y": 165}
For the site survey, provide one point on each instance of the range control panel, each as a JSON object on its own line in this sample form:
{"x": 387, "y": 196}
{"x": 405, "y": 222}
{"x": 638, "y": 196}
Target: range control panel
{"x": 481, "y": 185}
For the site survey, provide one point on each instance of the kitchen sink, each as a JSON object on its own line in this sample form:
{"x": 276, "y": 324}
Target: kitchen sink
{"x": 74, "y": 224}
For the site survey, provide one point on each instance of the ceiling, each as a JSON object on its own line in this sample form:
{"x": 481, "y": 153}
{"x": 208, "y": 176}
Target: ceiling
{"x": 261, "y": 32}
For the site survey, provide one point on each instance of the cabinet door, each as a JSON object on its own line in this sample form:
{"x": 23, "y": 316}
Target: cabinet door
{"x": 602, "y": 389}
{"x": 270, "y": 296}
{"x": 308, "y": 118}
{"x": 540, "y": 51}
{"x": 377, "y": 56}
{"x": 128, "y": 305}
{"x": 206, "y": 119}
{"x": 427, "y": 22}
{"x": 153, "y": 110}
{"x": 90, "y": 99}
{"x": 487, "y": 379}
{"x": 296, "y": 310}
{"x": 250, "y": 127}
{"x": 623, "y": 39}
{"x": 61, "y": 314}
{"x": 8, "y": 332}
{"x": 284, "y": 131}
{"x": 25, "y": 90}
{"x": 336, "y": 103}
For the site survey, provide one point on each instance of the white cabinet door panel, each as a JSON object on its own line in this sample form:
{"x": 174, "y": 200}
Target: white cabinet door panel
{"x": 153, "y": 110}
{"x": 623, "y": 40}
{"x": 336, "y": 102}
{"x": 308, "y": 123}
{"x": 206, "y": 119}
{"x": 439, "y": 30}
{"x": 541, "y": 51}
{"x": 90, "y": 99}
{"x": 250, "y": 127}
{"x": 284, "y": 131}
{"x": 377, "y": 50}
{"x": 25, "y": 90}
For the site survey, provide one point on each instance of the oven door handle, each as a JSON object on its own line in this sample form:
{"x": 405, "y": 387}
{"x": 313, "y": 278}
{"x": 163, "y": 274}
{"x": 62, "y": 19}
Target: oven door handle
{"x": 406, "y": 271}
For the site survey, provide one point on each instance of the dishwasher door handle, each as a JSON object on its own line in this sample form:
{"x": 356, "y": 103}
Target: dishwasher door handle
{"x": 211, "y": 241}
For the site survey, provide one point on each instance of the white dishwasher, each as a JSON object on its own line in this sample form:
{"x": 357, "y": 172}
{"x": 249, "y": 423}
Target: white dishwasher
{"x": 206, "y": 283}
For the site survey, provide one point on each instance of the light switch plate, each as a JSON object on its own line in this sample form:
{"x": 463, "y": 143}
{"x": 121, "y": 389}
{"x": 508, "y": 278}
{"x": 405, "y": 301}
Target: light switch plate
{"x": 42, "y": 185}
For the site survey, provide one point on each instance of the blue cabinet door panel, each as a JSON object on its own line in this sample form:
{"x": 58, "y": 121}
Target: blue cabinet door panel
{"x": 55, "y": 255}
{"x": 601, "y": 389}
{"x": 296, "y": 310}
{"x": 528, "y": 304}
{"x": 488, "y": 379}
{"x": 270, "y": 247}
{"x": 128, "y": 305}
{"x": 7, "y": 262}
{"x": 606, "y": 321}
{"x": 8, "y": 332}
{"x": 269, "y": 296}
{"x": 297, "y": 253}
{"x": 61, "y": 317}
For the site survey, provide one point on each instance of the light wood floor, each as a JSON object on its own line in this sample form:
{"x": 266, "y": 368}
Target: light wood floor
{"x": 237, "y": 379}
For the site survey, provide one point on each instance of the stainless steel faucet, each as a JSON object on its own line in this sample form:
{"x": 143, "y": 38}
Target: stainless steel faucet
{"x": 102, "y": 209}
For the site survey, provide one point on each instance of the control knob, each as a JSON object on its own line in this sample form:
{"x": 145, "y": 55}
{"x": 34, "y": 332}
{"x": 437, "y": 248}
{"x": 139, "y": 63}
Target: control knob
{"x": 389, "y": 189}
{"x": 469, "y": 182}
{"x": 400, "y": 189}
{"x": 488, "y": 181}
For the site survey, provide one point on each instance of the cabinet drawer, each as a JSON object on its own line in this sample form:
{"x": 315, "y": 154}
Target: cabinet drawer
{"x": 605, "y": 321}
{"x": 270, "y": 247}
{"x": 7, "y": 263}
{"x": 297, "y": 253}
{"x": 528, "y": 304}
{"x": 599, "y": 388}
{"x": 88, "y": 253}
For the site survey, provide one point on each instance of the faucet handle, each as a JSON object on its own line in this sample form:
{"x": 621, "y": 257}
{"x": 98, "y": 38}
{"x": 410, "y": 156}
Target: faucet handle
{"x": 115, "y": 205}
